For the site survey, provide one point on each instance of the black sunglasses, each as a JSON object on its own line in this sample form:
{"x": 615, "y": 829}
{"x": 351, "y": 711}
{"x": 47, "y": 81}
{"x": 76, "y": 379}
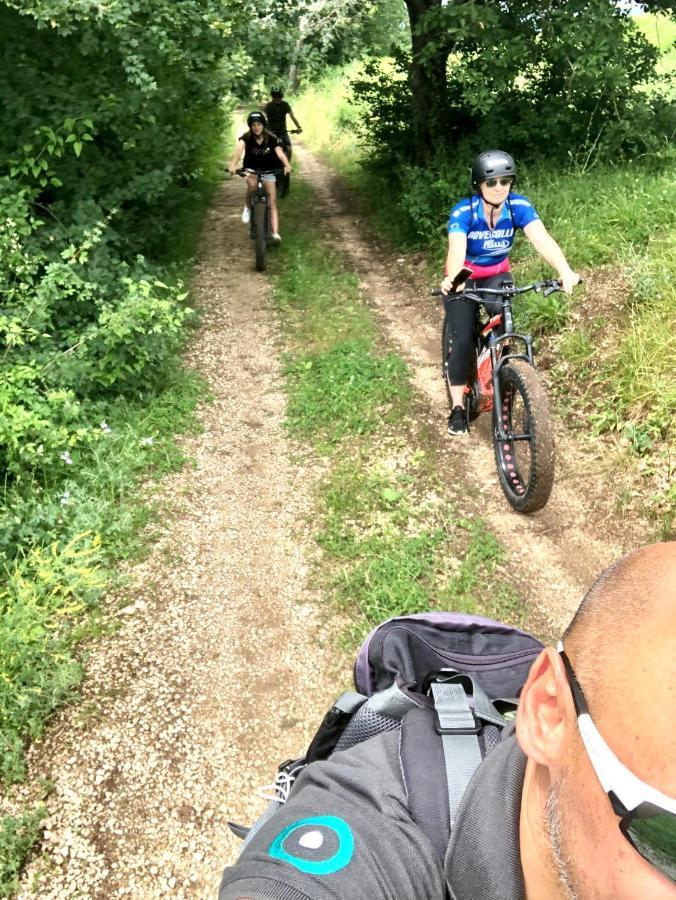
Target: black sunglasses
{"x": 492, "y": 182}
{"x": 647, "y": 816}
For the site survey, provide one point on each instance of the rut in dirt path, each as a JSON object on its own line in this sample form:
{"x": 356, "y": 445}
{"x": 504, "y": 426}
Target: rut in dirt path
{"x": 553, "y": 555}
{"x": 217, "y": 672}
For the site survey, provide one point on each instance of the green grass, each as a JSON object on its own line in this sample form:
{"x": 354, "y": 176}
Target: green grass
{"x": 328, "y": 119}
{"x": 391, "y": 543}
{"x": 18, "y": 834}
{"x": 395, "y": 545}
{"x": 345, "y": 390}
{"x": 339, "y": 384}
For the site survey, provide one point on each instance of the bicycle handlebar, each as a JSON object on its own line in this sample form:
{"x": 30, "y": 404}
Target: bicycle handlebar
{"x": 244, "y": 172}
{"x": 547, "y": 287}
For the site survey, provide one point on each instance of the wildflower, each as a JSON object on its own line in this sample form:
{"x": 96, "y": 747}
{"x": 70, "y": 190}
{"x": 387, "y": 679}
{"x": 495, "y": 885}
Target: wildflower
{"x": 65, "y": 498}
{"x": 66, "y": 457}
{"x": 105, "y": 428}
{"x": 147, "y": 442}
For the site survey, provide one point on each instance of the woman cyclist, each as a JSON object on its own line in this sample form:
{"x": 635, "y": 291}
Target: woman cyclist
{"x": 262, "y": 150}
{"x": 480, "y": 236}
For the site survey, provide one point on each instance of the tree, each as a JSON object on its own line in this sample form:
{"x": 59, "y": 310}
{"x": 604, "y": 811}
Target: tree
{"x": 562, "y": 75}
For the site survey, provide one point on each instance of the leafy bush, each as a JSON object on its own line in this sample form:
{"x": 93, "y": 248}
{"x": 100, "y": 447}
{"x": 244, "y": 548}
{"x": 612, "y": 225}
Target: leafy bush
{"x": 114, "y": 114}
{"x": 17, "y": 836}
{"x": 569, "y": 81}
{"x": 45, "y": 594}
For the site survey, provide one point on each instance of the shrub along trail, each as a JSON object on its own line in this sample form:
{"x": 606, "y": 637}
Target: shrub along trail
{"x": 554, "y": 554}
{"x": 212, "y": 678}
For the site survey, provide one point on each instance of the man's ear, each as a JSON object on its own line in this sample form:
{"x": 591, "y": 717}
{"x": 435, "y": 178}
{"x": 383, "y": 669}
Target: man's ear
{"x": 546, "y": 713}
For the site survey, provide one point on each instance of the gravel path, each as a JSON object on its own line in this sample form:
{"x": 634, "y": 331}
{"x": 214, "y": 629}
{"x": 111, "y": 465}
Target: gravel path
{"x": 218, "y": 671}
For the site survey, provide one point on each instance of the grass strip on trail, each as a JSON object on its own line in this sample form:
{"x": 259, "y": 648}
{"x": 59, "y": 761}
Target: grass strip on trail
{"x": 392, "y": 542}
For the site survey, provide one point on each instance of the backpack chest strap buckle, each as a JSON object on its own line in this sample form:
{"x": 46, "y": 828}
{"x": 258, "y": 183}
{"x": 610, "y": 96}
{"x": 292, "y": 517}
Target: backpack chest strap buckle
{"x": 452, "y": 712}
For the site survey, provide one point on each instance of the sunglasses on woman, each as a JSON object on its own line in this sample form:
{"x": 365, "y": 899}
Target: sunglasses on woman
{"x": 647, "y": 816}
{"x": 493, "y": 182}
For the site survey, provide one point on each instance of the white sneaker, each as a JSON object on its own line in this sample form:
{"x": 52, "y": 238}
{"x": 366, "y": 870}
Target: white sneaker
{"x": 246, "y": 215}
{"x": 276, "y": 238}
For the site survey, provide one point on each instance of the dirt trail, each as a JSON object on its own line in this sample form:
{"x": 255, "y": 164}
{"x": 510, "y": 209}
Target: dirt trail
{"x": 213, "y": 677}
{"x": 554, "y": 554}
{"x": 217, "y": 672}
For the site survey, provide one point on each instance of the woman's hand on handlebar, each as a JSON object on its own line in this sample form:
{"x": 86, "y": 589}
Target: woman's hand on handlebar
{"x": 568, "y": 280}
{"x": 231, "y": 168}
{"x": 447, "y": 286}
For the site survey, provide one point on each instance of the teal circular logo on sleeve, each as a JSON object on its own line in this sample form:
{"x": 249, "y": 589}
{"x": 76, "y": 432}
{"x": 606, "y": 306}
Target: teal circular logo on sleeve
{"x": 320, "y": 845}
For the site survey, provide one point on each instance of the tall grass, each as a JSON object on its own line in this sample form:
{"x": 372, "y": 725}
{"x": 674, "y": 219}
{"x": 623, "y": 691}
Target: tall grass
{"x": 328, "y": 118}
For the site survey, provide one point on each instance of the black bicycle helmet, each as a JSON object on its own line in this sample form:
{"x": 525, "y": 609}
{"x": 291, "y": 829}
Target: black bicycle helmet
{"x": 257, "y": 116}
{"x": 492, "y": 164}
{"x": 276, "y": 92}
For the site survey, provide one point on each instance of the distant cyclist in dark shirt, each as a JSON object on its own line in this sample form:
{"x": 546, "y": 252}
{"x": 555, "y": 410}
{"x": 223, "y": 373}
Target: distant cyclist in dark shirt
{"x": 262, "y": 150}
{"x": 481, "y": 232}
{"x": 277, "y": 110}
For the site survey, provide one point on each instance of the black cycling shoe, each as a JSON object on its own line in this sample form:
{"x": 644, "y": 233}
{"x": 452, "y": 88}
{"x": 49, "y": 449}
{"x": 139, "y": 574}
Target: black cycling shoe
{"x": 457, "y": 422}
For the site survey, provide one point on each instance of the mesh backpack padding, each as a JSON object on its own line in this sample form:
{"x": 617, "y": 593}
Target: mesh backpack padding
{"x": 365, "y": 724}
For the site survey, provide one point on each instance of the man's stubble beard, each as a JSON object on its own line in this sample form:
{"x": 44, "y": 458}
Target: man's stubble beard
{"x": 556, "y": 832}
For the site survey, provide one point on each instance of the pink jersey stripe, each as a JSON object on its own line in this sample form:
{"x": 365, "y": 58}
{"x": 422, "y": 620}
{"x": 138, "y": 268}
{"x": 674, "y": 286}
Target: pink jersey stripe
{"x": 488, "y": 271}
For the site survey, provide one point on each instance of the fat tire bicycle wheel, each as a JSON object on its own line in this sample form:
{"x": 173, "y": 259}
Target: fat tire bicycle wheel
{"x": 526, "y": 466}
{"x": 260, "y": 237}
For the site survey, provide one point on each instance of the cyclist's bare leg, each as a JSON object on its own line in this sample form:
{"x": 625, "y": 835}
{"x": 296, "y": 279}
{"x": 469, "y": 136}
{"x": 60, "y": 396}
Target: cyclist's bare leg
{"x": 457, "y": 395}
{"x": 271, "y": 190}
{"x": 250, "y": 188}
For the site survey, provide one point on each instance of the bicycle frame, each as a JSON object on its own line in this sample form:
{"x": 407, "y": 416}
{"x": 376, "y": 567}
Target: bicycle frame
{"x": 259, "y": 195}
{"x": 497, "y": 363}
{"x": 506, "y": 294}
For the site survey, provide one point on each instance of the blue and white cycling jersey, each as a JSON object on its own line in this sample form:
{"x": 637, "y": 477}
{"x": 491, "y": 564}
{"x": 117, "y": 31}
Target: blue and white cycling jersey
{"x": 486, "y": 246}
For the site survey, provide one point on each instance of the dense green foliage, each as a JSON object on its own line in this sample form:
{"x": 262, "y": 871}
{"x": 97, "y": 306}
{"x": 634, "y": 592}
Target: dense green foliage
{"x": 557, "y": 80}
{"x": 288, "y": 42}
{"x": 114, "y": 113}
{"x": 107, "y": 128}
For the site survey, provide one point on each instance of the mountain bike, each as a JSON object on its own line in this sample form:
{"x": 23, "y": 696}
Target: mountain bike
{"x": 260, "y": 228}
{"x": 504, "y": 381}
{"x": 284, "y": 181}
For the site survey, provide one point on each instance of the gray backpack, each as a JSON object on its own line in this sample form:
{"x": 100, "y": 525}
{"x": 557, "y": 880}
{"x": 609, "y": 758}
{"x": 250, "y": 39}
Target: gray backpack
{"x": 449, "y": 683}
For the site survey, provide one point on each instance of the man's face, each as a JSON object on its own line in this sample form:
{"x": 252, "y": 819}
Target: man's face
{"x": 593, "y": 858}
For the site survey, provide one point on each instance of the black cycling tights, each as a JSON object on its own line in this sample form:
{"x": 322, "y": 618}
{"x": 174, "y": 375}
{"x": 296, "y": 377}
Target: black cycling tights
{"x": 462, "y": 317}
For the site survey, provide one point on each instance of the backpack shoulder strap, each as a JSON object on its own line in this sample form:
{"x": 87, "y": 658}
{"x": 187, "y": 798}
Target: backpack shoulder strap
{"x": 421, "y": 757}
{"x": 450, "y": 740}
